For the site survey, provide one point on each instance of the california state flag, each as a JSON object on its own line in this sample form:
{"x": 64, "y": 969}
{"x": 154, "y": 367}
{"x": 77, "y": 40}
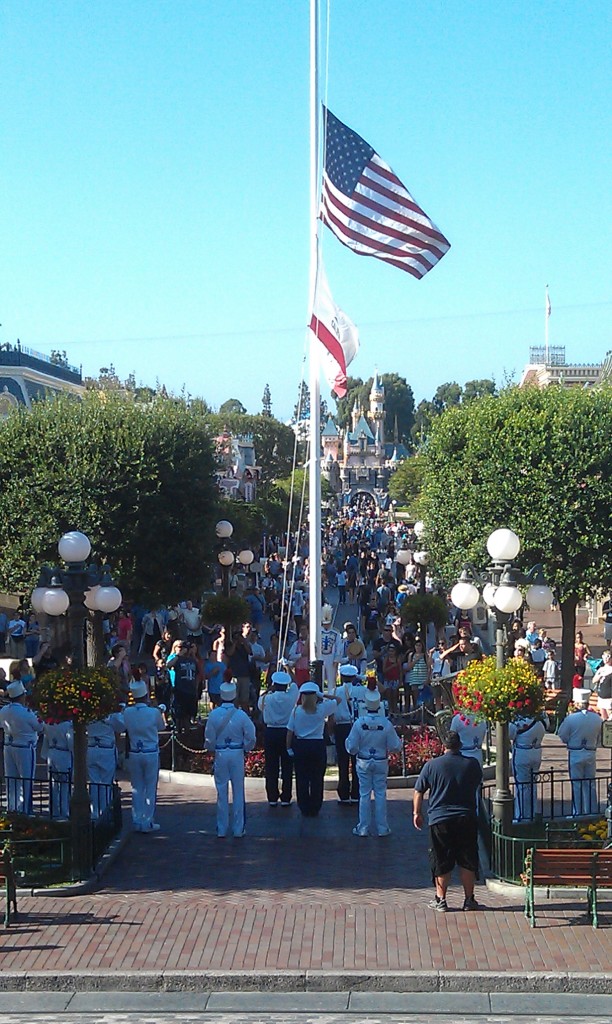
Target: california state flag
{"x": 337, "y": 334}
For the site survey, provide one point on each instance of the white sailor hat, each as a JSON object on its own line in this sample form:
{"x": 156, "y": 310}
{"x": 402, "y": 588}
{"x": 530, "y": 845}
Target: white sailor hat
{"x": 372, "y": 699}
{"x": 227, "y": 691}
{"x": 138, "y": 689}
{"x": 15, "y": 689}
{"x": 349, "y": 671}
{"x": 310, "y": 688}
{"x": 281, "y": 678}
{"x": 581, "y": 696}
{"x": 327, "y": 613}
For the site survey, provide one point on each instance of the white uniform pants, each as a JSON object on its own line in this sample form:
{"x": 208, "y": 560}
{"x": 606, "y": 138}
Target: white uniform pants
{"x": 19, "y": 768}
{"x": 144, "y": 773}
{"x": 330, "y": 670}
{"x": 372, "y": 777}
{"x": 525, "y": 760}
{"x": 229, "y": 768}
{"x": 582, "y": 774}
{"x": 59, "y": 763}
{"x": 101, "y": 765}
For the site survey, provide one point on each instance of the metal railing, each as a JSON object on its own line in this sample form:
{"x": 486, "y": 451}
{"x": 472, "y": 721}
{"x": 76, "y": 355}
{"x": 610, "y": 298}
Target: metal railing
{"x": 552, "y": 795}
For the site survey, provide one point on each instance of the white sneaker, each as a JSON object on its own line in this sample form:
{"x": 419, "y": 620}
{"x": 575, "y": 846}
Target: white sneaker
{"x": 363, "y": 834}
{"x": 151, "y": 827}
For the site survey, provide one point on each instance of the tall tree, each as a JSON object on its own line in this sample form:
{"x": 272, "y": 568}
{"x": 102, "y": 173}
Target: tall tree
{"x": 301, "y": 409}
{"x": 447, "y": 396}
{"x": 266, "y": 402}
{"x": 406, "y": 483}
{"x": 478, "y": 389}
{"x": 232, "y": 406}
{"x": 139, "y": 482}
{"x": 539, "y": 462}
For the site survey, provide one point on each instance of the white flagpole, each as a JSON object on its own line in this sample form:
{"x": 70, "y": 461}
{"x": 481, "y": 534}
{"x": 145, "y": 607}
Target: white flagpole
{"x": 314, "y": 490}
{"x": 546, "y": 319}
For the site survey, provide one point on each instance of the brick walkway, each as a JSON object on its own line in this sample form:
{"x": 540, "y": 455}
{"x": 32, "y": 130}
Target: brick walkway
{"x": 293, "y": 894}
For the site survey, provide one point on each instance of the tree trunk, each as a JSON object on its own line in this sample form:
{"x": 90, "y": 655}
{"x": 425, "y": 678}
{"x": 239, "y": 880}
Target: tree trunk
{"x": 568, "y": 634}
{"x": 95, "y": 639}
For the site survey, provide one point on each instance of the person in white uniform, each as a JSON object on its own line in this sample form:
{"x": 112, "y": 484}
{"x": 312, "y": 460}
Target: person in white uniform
{"x": 371, "y": 739}
{"x": 229, "y": 733}
{"x": 102, "y": 760}
{"x": 471, "y": 734}
{"x": 21, "y": 730}
{"x": 306, "y": 744}
{"x": 143, "y": 725}
{"x": 581, "y": 733}
{"x": 57, "y": 747}
{"x": 332, "y": 647}
{"x": 526, "y": 735}
{"x": 276, "y": 705}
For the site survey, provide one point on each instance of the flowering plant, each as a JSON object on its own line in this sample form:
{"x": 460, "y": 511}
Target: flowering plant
{"x": 494, "y": 694}
{"x": 76, "y": 694}
{"x": 420, "y": 747}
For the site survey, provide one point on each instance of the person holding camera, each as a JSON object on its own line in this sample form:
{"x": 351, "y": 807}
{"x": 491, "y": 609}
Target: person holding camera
{"x": 237, "y": 656}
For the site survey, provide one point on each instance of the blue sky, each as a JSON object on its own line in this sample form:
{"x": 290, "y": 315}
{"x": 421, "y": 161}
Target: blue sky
{"x": 154, "y": 185}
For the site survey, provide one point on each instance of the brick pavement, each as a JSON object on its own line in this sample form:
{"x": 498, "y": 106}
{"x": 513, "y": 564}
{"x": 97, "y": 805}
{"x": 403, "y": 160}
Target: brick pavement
{"x": 293, "y": 894}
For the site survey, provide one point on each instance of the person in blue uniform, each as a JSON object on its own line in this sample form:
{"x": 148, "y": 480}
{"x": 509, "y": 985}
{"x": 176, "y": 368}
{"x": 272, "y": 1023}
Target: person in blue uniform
{"x": 143, "y": 725}
{"x": 229, "y": 733}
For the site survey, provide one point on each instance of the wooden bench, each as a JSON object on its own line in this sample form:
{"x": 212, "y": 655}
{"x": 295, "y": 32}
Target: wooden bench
{"x": 7, "y": 875}
{"x": 569, "y": 868}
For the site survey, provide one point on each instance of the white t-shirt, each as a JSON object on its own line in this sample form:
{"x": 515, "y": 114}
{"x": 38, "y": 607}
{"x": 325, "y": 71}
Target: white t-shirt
{"x": 307, "y": 725}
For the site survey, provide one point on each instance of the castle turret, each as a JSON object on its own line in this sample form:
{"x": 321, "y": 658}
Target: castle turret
{"x": 377, "y": 409}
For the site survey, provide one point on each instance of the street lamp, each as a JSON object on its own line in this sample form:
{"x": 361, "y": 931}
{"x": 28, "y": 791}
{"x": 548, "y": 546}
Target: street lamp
{"x": 499, "y": 586}
{"x": 227, "y": 555}
{"x": 73, "y": 589}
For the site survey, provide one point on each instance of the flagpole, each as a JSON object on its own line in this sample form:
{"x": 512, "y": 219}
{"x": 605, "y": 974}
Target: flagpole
{"x": 546, "y": 319}
{"x": 314, "y": 489}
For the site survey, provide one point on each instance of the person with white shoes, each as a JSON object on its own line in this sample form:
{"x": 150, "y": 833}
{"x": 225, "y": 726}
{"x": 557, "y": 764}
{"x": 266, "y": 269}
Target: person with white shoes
{"x": 276, "y": 705}
{"x": 581, "y": 733}
{"x": 526, "y": 735}
{"x": 143, "y": 725}
{"x": 371, "y": 739}
{"x": 230, "y": 733}
{"x": 57, "y": 747}
{"x": 21, "y": 729}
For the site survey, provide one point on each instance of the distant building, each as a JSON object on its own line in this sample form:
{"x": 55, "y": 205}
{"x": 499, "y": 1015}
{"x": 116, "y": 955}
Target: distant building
{"x": 549, "y": 366}
{"x": 26, "y": 375}
{"x": 360, "y": 461}
{"x": 238, "y": 473}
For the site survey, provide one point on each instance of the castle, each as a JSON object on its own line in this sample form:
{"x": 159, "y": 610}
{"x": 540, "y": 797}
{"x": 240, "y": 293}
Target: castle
{"x": 360, "y": 461}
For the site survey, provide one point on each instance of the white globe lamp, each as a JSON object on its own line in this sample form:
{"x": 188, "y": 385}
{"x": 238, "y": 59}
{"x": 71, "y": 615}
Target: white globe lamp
{"x": 245, "y": 557}
{"x": 403, "y": 556}
{"x": 419, "y": 528}
{"x": 508, "y": 599}
{"x": 503, "y": 545}
{"x": 74, "y": 547}
{"x": 421, "y": 557}
{"x": 224, "y": 529}
{"x": 539, "y": 597}
{"x": 108, "y": 599}
{"x": 55, "y": 601}
{"x": 90, "y": 598}
{"x": 464, "y": 595}
{"x": 36, "y": 599}
{"x": 488, "y": 594}
{"x": 226, "y": 558}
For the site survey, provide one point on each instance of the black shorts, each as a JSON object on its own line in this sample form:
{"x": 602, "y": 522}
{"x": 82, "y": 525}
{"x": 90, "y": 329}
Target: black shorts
{"x": 454, "y": 841}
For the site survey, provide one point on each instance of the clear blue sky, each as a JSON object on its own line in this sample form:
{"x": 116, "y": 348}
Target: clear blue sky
{"x": 154, "y": 185}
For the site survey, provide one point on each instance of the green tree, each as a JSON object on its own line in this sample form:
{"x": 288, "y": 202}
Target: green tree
{"x": 406, "y": 483}
{"x": 301, "y": 409}
{"x": 137, "y": 479}
{"x": 274, "y": 441}
{"x": 424, "y": 415}
{"x": 539, "y": 462}
{"x": 266, "y": 402}
{"x": 447, "y": 396}
{"x": 231, "y": 407}
{"x": 478, "y": 389}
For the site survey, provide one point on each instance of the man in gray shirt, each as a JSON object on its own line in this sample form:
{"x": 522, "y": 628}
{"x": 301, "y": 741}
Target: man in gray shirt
{"x": 451, "y": 782}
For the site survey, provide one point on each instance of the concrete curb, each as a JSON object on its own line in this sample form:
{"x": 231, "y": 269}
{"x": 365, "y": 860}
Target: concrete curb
{"x": 305, "y": 981}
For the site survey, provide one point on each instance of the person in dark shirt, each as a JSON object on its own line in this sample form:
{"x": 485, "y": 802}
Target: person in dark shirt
{"x": 185, "y": 684}
{"x": 451, "y": 782}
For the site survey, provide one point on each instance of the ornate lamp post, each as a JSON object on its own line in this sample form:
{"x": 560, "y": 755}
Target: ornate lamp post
{"x": 227, "y": 556}
{"x": 499, "y": 587}
{"x": 73, "y": 589}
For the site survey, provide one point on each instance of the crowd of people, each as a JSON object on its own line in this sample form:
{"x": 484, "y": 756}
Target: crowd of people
{"x": 254, "y": 684}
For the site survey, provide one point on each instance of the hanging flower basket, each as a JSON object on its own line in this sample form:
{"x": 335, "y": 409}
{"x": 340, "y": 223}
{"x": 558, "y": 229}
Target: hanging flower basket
{"x": 76, "y": 695}
{"x": 228, "y": 611}
{"x": 494, "y": 694}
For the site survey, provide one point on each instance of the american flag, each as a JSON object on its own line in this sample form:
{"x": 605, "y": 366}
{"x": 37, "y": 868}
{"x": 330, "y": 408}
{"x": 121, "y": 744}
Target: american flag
{"x": 368, "y": 208}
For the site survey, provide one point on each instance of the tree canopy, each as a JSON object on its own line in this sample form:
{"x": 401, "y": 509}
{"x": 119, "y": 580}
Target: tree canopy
{"x": 138, "y": 480}
{"x": 232, "y": 407}
{"x": 399, "y": 404}
{"x": 406, "y": 482}
{"x": 539, "y": 462}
